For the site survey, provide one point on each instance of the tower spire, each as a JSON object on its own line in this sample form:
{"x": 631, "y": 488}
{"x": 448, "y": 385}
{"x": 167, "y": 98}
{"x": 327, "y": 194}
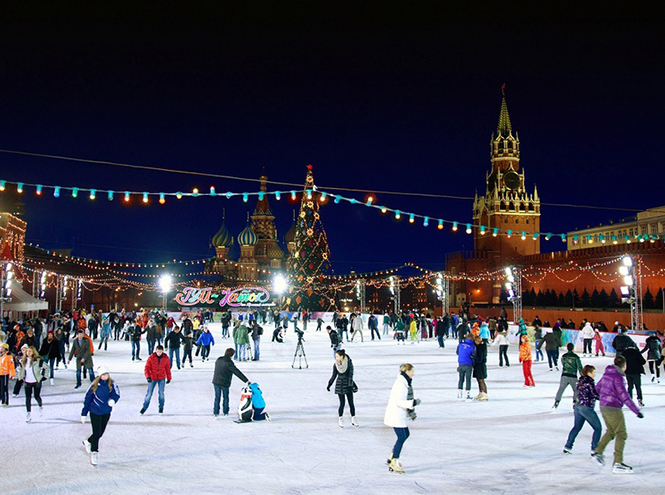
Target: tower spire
{"x": 504, "y": 128}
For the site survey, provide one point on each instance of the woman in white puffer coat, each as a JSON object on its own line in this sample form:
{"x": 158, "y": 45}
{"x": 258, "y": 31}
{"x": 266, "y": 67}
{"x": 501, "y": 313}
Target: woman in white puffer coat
{"x": 401, "y": 407}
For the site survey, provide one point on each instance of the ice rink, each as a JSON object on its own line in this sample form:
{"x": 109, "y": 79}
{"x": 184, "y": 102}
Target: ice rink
{"x": 511, "y": 444}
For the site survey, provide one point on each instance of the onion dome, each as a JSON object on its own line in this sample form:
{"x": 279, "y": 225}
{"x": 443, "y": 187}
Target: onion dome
{"x": 222, "y": 238}
{"x": 247, "y": 237}
{"x": 275, "y": 252}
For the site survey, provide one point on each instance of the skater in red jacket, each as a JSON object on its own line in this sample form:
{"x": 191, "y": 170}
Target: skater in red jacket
{"x": 157, "y": 372}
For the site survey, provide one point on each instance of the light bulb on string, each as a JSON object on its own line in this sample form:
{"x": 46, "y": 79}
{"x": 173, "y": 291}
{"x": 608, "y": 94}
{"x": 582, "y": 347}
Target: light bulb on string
{"x": 440, "y": 226}
{"x": 3, "y": 185}
{"x": 145, "y": 197}
{"x": 278, "y": 195}
{"x": 93, "y": 194}
{"x": 425, "y": 221}
{"x": 213, "y": 192}
{"x": 127, "y": 196}
{"x": 245, "y": 197}
{"x": 56, "y": 192}
{"x": 178, "y": 195}
{"x": 75, "y": 192}
{"x": 162, "y": 198}
{"x": 109, "y": 195}
{"x": 495, "y": 232}
{"x": 38, "y": 190}
{"x": 468, "y": 228}
{"x": 398, "y": 214}
{"x": 412, "y": 218}
{"x": 454, "y": 226}
{"x": 19, "y": 187}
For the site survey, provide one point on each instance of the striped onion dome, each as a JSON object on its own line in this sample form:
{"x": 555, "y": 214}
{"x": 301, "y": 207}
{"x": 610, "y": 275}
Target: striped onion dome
{"x": 222, "y": 238}
{"x": 247, "y": 237}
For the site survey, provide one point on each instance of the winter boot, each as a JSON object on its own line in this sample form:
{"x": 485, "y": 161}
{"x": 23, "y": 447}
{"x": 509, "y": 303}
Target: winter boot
{"x": 459, "y": 394}
{"x": 354, "y": 422}
{"x": 621, "y": 468}
{"x": 94, "y": 458}
{"x": 87, "y": 446}
{"x": 341, "y": 422}
{"x": 395, "y": 466}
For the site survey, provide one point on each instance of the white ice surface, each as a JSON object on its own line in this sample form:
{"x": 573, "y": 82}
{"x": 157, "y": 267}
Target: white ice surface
{"x": 511, "y": 444}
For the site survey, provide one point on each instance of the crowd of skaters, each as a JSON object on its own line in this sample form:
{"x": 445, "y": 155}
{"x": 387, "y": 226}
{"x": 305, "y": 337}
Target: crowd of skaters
{"x": 70, "y": 335}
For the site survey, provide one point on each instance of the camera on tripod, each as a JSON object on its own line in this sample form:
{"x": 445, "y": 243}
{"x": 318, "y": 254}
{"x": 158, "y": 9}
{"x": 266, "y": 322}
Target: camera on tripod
{"x": 299, "y": 355}
{"x": 301, "y": 334}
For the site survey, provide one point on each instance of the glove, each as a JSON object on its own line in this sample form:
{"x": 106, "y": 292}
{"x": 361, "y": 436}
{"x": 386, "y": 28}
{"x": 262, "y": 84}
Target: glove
{"x": 640, "y": 415}
{"x": 168, "y": 381}
{"x": 111, "y": 403}
{"x": 149, "y": 379}
{"x": 416, "y": 402}
{"x": 83, "y": 419}
{"x": 328, "y": 388}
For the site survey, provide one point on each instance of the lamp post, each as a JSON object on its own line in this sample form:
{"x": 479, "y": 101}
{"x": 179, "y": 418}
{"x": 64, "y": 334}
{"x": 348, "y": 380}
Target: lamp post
{"x": 165, "y": 282}
{"x": 395, "y": 291}
{"x": 6, "y": 278}
{"x": 442, "y": 292}
{"x": 280, "y": 286}
{"x": 514, "y": 288}
{"x": 631, "y": 291}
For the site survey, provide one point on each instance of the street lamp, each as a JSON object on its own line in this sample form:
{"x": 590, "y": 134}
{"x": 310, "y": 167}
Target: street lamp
{"x": 514, "y": 289}
{"x": 631, "y": 290}
{"x": 165, "y": 283}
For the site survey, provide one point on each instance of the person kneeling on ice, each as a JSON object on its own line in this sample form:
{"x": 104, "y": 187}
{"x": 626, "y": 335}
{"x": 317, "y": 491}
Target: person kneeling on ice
{"x": 613, "y": 396}
{"x": 99, "y": 401}
{"x": 225, "y": 368}
{"x": 258, "y": 403}
{"x": 401, "y": 406}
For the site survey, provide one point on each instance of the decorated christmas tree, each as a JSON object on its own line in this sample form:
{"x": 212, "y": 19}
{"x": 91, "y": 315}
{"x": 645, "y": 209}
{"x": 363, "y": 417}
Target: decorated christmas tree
{"x": 310, "y": 260}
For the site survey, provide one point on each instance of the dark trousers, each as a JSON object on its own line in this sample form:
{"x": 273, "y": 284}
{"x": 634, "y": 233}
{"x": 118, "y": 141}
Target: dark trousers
{"x": 78, "y": 375}
{"x": 634, "y": 381}
{"x": 503, "y": 354}
{"x": 98, "y": 427}
{"x": 151, "y": 346}
{"x": 465, "y": 371}
{"x": 219, "y": 392}
{"x": 378, "y": 335}
{"x": 352, "y": 407}
{"x": 29, "y": 388}
{"x": 17, "y": 386}
{"x": 136, "y": 348}
{"x": 652, "y": 365}
{"x": 402, "y": 435}
{"x": 440, "y": 339}
{"x": 4, "y": 389}
{"x": 187, "y": 353}
{"x": 582, "y": 414}
{"x": 176, "y": 351}
{"x": 553, "y": 357}
{"x": 587, "y": 346}
{"x": 205, "y": 351}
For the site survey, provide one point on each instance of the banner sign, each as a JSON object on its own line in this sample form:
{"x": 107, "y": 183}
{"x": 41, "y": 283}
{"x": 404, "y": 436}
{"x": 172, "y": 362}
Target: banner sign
{"x": 244, "y": 296}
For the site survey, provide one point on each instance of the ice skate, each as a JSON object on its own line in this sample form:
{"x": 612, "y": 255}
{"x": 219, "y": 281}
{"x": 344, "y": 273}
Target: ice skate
{"x": 568, "y": 451}
{"x": 599, "y": 458}
{"x": 390, "y": 459}
{"x": 87, "y": 446}
{"x": 653, "y": 379}
{"x": 556, "y": 404}
{"x": 142, "y": 411}
{"x": 340, "y": 422}
{"x": 28, "y": 418}
{"x": 161, "y": 411}
{"x": 459, "y": 394}
{"x": 354, "y": 422}
{"x": 395, "y": 466}
{"x": 52, "y": 382}
{"x": 468, "y": 397}
{"x": 93, "y": 458}
{"x": 621, "y": 468}
{"x": 639, "y": 401}
{"x": 482, "y": 397}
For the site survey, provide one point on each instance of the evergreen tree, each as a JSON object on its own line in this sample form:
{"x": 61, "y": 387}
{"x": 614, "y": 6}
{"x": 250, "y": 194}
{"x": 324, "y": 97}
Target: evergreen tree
{"x": 576, "y": 299}
{"x": 658, "y": 304}
{"x": 526, "y": 298}
{"x": 595, "y": 299}
{"x": 311, "y": 258}
{"x": 540, "y": 299}
{"x": 604, "y": 299}
{"x": 585, "y": 299}
{"x": 550, "y": 298}
{"x": 614, "y": 300}
{"x": 648, "y": 300}
{"x": 569, "y": 299}
{"x": 561, "y": 300}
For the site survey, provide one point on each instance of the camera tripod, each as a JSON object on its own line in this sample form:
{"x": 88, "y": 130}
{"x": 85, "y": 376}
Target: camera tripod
{"x": 299, "y": 355}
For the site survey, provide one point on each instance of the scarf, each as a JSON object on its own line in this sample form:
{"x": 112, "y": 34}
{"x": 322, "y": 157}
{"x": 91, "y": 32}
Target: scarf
{"x": 411, "y": 413}
{"x": 342, "y": 367}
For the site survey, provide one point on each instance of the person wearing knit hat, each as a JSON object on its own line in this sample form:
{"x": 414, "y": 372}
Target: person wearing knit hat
{"x": 99, "y": 400}
{"x": 50, "y": 352}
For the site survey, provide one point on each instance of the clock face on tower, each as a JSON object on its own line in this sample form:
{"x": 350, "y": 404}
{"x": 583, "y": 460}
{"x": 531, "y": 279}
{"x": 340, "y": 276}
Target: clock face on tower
{"x": 511, "y": 180}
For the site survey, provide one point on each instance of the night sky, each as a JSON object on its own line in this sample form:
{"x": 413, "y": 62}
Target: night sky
{"x": 400, "y": 100}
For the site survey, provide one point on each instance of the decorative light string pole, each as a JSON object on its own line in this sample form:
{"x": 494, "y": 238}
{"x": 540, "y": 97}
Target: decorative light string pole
{"x": 514, "y": 289}
{"x": 443, "y": 291}
{"x": 631, "y": 291}
{"x": 395, "y": 291}
{"x": 361, "y": 294}
{"x": 6, "y": 277}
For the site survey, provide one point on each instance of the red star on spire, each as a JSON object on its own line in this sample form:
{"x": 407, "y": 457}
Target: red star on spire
{"x": 309, "y": 167}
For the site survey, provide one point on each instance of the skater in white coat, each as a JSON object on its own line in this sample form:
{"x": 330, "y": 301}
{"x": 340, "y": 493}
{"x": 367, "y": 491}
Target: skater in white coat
{"x": 401, "y": 406}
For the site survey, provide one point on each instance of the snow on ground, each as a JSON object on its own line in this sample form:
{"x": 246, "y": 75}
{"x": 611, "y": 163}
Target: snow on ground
{"x": 511, "y": 444}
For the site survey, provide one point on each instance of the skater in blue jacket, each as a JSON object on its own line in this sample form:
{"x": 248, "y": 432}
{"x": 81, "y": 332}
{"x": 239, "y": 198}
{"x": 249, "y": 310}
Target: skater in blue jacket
{"x": 99, "y": 401}
{"x": 258, "y": 403}
{"x": 206, "y": 339}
